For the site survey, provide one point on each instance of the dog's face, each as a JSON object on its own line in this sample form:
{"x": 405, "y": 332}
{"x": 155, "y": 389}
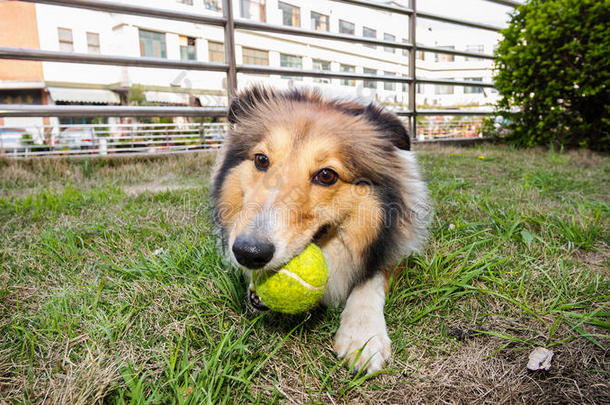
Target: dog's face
{"x": 295, "y": 185}
{"x": 297, "y": 170}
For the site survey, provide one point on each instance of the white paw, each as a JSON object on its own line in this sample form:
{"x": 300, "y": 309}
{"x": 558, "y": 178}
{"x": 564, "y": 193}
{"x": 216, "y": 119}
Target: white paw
{"x": 363, "y": 347}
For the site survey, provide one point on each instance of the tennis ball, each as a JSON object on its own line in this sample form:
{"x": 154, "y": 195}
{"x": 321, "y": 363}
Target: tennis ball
{"x": 297, "y": 286}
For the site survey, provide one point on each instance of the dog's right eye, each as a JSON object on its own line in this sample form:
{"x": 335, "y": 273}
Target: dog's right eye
{"x": 261, "y": 162}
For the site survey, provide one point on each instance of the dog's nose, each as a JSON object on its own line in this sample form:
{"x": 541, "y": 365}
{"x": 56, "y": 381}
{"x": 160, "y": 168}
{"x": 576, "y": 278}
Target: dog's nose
{"x": 252, "y": 253}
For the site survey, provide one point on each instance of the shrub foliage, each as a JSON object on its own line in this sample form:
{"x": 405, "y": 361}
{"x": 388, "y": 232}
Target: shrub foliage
{"x": 553, "y": 68}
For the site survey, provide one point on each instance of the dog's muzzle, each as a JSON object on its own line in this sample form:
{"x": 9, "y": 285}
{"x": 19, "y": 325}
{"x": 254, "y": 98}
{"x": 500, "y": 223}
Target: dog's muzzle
{"x": 256, "y": 302}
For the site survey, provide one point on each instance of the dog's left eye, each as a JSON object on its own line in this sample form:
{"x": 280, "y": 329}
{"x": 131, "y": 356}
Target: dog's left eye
{"x": 326, "y": 177}
{"x": 261, "y": 162}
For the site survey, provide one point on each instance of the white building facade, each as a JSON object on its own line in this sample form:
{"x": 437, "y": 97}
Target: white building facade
{"x": 88, "y": 31}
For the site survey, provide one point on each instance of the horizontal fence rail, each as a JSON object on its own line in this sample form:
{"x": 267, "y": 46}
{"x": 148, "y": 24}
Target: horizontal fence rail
{"x": 256, "y": 69}
{"x": 457, "y": 21}
{"x": 455, "y": 82}
{"x": 454, "y": 52}
{"x": 379, "y": 6}
{"x": 436, "y": 112}
{"x": 94, "y": 59}
{"x": 303, "y": 32}
{"x": 508, "y": 3}
{"x": 231, "y": 68}
{"x": 122, "y": 8}
{"x": 73, "y": 57}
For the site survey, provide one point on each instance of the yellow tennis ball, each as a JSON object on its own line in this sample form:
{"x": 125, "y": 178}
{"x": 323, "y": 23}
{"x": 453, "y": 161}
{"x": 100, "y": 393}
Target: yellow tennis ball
{"x": 297, "y": 286}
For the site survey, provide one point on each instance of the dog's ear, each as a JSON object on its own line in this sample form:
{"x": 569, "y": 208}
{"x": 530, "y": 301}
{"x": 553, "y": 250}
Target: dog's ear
{"x": 245, "y": 102}
{"x": 384, "y": 121}
{"x": 390, "y": 125}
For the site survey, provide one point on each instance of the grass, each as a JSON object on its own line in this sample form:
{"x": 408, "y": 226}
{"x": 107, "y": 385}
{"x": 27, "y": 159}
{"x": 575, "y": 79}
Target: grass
{"x": 112, "y": 290}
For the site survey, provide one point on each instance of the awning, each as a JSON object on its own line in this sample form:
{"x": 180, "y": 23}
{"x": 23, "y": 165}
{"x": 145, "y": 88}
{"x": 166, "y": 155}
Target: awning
{"x": 166, "y": 97}
{"x": 92, "y": 96}
{"x": 212, "y": 101}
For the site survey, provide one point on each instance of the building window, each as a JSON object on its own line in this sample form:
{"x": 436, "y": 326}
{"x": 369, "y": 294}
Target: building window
{"x": 389, "y": 37}
{"x": 389, "y": 86}
{"x": 319, "y": 64}
{"x": 369, "y": 33}
{"x": 472, "y": 89}
{"x": 216, "y": 52}
{"x": 348, "y": 69}
{"x": 369, "y": 84}
{"x": 291, "y": 15}
{"x": 291, "y": 61}
{"x": 188, "y": 51}
{"x": 93, "y": 42}
{"x": 319, "y": 22}
{"x": 213, "y": 5}
{"x": 253, "y": 56}
{"x": 346, "y": 27}
{"x": 187, "y": 2}
{"x": 405, "y": 52}
{"x": 440, "y": 89}
{"x": 443, "y": 57}
{"x": 152, "y": 44}
{"x": 420, "y": 55}
{"x": 253, "y": 9}
{"x": 419, "y": 88}
{"x": 66, "y": 43}
{"x": 475, "y": 49}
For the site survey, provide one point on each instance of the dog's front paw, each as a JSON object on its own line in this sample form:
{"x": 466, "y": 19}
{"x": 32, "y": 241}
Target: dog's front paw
{"x": 363, "y": 347}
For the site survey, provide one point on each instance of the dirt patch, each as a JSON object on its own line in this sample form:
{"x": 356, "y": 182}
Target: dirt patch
{"x": 155, "y": 187}
{"x": 474, "y": 375}
{"x": 597, "y": 260}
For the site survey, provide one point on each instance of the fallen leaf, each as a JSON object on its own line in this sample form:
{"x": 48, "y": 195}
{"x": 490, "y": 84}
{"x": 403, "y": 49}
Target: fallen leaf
{"x": 540, "y": 359}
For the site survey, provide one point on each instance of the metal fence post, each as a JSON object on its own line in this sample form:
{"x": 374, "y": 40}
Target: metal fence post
{"x": 227, "y": 6}
{"x": 412, "y": 68}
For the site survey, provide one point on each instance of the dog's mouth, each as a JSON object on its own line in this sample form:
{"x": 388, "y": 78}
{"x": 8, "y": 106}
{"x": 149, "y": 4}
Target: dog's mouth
{"x": 256, "y": 302}
{"x": 323, "y": 230}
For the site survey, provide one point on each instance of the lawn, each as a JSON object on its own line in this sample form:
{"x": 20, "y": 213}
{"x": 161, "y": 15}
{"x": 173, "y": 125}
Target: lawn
{"x": 112, "y": 290}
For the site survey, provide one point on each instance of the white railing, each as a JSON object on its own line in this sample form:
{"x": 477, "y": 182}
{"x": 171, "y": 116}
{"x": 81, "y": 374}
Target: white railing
{"x": 441, "y": 127}
{"x": 109, "y": 139}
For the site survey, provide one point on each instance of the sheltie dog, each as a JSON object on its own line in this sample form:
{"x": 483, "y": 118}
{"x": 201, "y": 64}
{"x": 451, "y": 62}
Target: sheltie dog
{"x": 296, "y": 167}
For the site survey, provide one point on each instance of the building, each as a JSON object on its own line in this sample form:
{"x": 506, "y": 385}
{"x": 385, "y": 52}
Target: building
{"x": 67, "y": 29}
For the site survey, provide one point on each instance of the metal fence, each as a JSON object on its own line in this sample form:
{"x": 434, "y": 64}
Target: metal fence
{"x": 231, "y": 68}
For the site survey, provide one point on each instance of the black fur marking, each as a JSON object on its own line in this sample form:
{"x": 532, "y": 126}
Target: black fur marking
{"x": 232, "y": 158}
{"x": 380, "y": 250}
{"x": 350, "y": 108}
{"x": 319, "y": 233}
{"x": 389, "y": 124}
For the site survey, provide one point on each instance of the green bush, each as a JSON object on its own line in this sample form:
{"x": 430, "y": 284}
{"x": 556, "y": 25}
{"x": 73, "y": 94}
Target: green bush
{"x": 553, "y": 65}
